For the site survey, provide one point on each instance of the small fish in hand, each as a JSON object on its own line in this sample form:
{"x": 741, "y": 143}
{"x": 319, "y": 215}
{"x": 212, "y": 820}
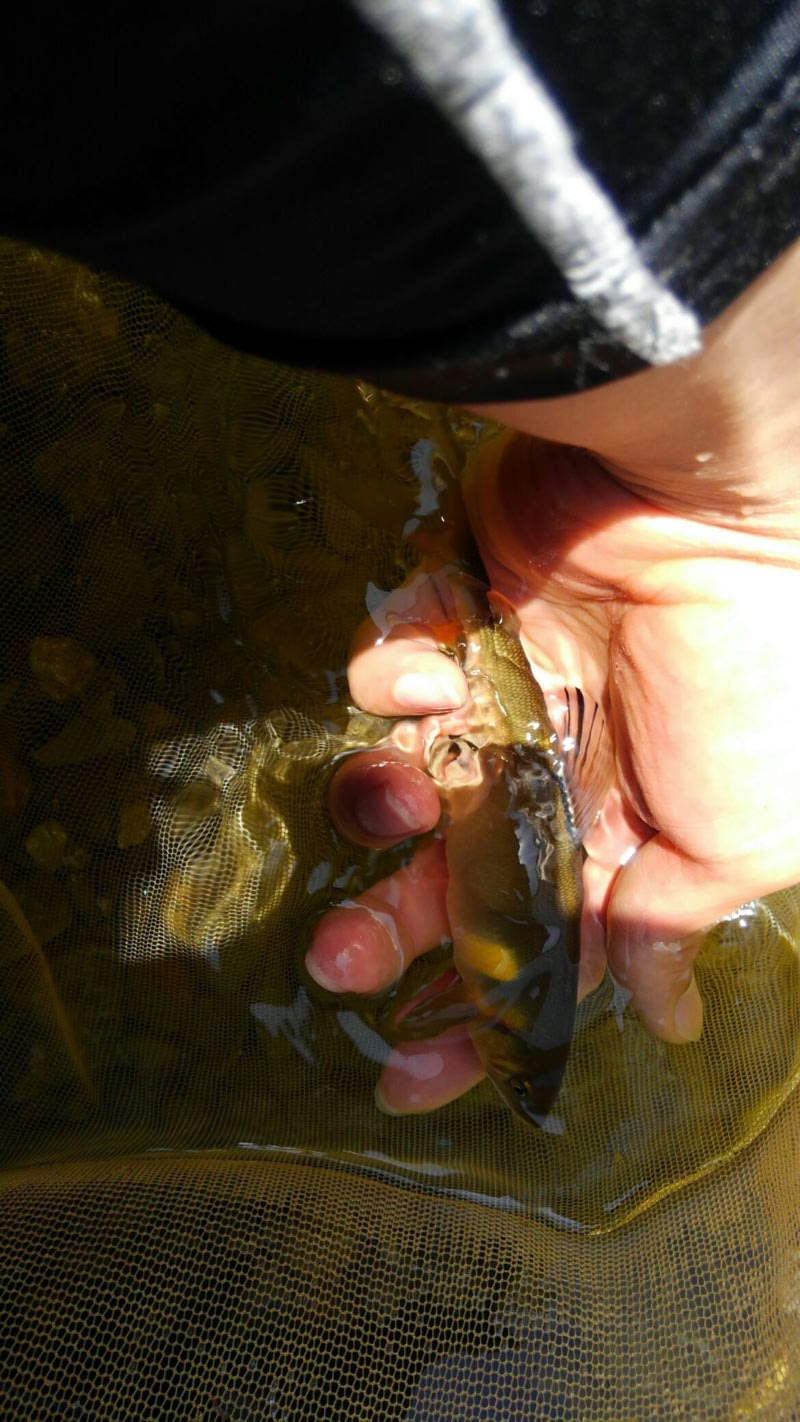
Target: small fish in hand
{"x": 518, "y": 805}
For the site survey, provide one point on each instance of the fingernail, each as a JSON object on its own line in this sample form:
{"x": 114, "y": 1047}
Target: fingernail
{"x": 321, "y": 978}
{"x": 418, "y": 691}
{"x": 355, "y": 948}
{"x": 381, "y": 812}
{"x": 383, "y": 1105}
{"x": 688, "y": 1015}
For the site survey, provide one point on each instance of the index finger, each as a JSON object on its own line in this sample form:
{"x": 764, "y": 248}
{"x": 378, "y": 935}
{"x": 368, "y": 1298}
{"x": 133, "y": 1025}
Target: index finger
{"x": 396, "y": 663}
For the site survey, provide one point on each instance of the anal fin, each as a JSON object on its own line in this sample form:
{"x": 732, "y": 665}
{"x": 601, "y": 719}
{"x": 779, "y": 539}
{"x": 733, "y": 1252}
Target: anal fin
{"x": 443, "y": 1003}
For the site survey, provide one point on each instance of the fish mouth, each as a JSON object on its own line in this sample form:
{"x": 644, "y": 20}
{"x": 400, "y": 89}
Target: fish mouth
{"x": 540, "y": 1115}
{"x": 532, "y": 1101}
{"x": 453, "y": 761}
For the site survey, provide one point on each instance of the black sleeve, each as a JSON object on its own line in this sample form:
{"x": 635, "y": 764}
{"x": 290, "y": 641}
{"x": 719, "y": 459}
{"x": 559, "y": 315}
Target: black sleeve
{"x": 275, "y": 171}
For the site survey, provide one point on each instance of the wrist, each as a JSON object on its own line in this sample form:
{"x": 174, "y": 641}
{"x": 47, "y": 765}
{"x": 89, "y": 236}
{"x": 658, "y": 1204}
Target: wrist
{"x": 715, "y": 438}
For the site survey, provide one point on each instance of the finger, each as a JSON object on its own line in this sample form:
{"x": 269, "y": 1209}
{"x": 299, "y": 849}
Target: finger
{"x": 366, "y": 944}
{"x": 404, "y": 674}
{"x": 597, "y": 882}
{"x": 396, "y": 666}
{"x": 617, "y": 832}
{"x": 660, "y": 904}
{"x": 421, "y": 1076}
{"x": 611, "y": 843}
{"x": 377, "y": 798}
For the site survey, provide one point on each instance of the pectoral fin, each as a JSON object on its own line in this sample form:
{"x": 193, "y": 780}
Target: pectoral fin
{"x": 587, "y": 752}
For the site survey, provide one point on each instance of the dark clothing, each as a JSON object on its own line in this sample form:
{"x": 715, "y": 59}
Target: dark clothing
{"x": 276, "y": 172}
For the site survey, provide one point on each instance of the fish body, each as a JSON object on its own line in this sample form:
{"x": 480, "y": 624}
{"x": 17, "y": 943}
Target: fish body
{"x": 516, "y": 815}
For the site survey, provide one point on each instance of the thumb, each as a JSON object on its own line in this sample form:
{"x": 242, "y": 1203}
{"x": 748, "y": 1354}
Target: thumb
{"x": 661, "y": 903}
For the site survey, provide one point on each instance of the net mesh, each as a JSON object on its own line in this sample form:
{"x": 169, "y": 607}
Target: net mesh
{"x": 205, "y": 1214}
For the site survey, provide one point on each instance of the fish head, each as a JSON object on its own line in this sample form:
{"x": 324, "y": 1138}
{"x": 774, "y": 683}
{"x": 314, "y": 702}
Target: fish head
{"x": 531, "y": 1097}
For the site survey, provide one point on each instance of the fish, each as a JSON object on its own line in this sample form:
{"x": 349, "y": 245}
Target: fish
{"x": 517, "y": 805}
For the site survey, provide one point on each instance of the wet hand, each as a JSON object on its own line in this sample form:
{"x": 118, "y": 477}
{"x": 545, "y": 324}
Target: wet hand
{"x": 681, "y": 627}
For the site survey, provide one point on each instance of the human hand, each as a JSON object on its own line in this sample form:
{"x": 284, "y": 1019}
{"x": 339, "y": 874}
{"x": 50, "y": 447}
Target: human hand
{"x": 678, "y": 625}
